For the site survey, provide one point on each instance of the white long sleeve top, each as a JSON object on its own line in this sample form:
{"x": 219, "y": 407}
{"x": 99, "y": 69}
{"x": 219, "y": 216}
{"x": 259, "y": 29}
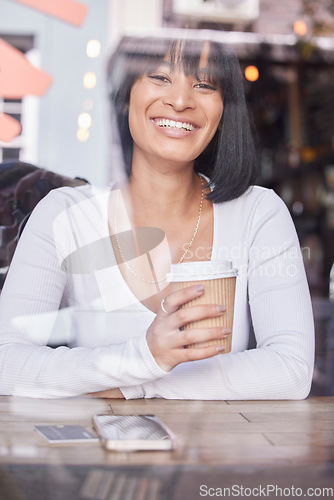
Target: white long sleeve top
{"x": 63, "y": 286}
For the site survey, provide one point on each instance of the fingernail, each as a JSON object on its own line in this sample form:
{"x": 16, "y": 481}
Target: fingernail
{"x": 199, "y": 288}
{"x": 226, "y": 331}
{"x": 221, "y": 309}
{"x": 220, "y": 348}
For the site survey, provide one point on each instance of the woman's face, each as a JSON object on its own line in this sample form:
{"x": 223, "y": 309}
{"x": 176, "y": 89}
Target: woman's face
{"x": 173, "y": 116}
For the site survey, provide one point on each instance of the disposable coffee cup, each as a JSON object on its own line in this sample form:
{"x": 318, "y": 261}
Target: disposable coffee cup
{"x": 219, "y": 279}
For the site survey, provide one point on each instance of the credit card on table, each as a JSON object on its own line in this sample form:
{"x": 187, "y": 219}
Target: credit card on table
{"x": 66, "y": 434}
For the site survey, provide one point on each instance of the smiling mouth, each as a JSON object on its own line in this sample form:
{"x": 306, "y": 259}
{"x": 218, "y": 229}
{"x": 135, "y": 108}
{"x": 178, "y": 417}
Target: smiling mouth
{"x": 165, "y": 123}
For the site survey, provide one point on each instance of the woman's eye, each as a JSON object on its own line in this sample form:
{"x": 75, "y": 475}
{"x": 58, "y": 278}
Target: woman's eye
{"x": 205, "y": 86}
{"x": 159, "y": 78}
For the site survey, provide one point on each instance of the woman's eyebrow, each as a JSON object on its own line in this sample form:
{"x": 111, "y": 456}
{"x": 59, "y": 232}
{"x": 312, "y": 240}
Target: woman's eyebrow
{"x": 163, "y": 66}
{"x": 203, "y": 73}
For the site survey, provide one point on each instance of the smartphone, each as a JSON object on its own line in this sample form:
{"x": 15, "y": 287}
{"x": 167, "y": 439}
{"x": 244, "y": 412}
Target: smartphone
{"x": 133, "y": 433}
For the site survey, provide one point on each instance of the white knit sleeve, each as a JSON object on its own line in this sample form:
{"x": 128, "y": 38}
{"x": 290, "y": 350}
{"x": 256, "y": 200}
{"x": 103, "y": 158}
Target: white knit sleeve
{"x": 281, "y": 366}
{"x": 29, "y": 305}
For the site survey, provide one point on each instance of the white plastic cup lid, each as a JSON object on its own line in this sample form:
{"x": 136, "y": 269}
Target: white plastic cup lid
{"x": 202, "y": 270}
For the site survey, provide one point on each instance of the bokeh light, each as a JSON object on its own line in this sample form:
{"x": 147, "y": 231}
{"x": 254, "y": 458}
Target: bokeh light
{"x": 82, "y": 134}
{"x": 299, "y": 27}
{"x": 251, "y": 73}
{"x": 89, "y": 80}
{"x": 84, "y": 120}
{"x": 93, "y": 48}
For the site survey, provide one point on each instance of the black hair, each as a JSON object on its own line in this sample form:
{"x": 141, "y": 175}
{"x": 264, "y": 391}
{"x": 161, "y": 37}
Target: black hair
{"x": 229, "y": 161}
{"x": 11, "y": 171}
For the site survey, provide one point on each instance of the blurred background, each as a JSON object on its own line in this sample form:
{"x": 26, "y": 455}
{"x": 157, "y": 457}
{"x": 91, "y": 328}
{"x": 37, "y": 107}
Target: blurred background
{"x": 286, "y": 52}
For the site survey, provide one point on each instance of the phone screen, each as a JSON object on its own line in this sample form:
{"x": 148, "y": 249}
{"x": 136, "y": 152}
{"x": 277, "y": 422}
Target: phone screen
{"x": 134, "y": 431}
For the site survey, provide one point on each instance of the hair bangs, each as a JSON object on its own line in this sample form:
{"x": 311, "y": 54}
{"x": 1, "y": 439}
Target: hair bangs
{"x": 197, "y": 58}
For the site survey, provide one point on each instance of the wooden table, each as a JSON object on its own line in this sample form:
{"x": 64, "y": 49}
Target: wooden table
{"x": 220, "y": 444}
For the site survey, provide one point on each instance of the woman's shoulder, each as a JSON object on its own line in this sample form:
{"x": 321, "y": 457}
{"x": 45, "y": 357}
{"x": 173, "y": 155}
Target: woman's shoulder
{"x": 258, "y": 193}
{"x": 76, "y": 194}
{"x": 64, "y": 198}
{"x": 254, "y": 196}
{"x": 78, "y": 206}
{"x": 256, "y": 205}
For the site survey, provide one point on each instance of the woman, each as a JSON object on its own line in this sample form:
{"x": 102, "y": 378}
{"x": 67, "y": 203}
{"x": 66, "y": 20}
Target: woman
{"x": 82, "y": 267}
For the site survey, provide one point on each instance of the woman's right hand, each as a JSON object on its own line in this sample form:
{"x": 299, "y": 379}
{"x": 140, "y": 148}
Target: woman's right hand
{"x": 166, "y": 339}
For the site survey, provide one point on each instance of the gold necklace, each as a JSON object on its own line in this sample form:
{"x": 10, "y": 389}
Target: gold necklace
{"x": 154, "y": 282}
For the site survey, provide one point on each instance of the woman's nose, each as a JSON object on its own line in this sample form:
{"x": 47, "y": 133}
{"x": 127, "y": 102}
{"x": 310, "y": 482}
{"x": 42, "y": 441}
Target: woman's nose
{"x": 179, "y": 96}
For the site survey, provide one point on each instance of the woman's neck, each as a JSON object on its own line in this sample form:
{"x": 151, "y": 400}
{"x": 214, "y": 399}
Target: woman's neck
{"x": 169, "y": 192}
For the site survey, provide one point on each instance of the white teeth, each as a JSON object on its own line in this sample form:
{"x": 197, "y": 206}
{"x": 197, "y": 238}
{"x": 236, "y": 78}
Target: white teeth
{"x": 163, "y": 122}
